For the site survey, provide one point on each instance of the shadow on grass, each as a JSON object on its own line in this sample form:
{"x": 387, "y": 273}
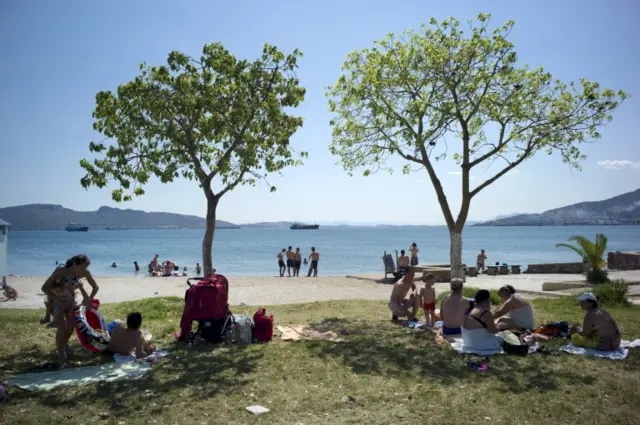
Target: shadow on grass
{"x": 380, "y": 348}
{"x": 199, "y": 371}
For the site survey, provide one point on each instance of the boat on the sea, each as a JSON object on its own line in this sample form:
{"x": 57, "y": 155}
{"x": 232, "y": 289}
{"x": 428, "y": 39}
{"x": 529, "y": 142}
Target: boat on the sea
{"x": 301, "y": 226}
{"x": 73, "y": 227}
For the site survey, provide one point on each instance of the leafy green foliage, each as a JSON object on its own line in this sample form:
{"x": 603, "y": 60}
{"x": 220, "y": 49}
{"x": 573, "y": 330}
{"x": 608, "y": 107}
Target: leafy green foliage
{"x": 592, "y": 252}
{"x": 412, "y": 95}
{"x": 217, "y": 120}
{"x": 613, "y": 293}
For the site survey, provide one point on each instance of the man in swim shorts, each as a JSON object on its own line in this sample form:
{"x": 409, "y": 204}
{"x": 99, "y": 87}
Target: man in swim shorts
{"x": 453, "y": 309}
{"x": 399, "y": 305}
{"x": 281, "y": 263}
{"x": 297, "y": 263}
{"x": 291, "y": 264}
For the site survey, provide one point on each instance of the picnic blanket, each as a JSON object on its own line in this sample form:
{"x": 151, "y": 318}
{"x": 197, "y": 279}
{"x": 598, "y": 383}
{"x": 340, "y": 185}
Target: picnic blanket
{"x": 152, "y": 358}
{"x": 299, "y": 333}
{"x": 46, "y": 381}
{"x": 620, "y": 354}
{"x": 458, "y": 345}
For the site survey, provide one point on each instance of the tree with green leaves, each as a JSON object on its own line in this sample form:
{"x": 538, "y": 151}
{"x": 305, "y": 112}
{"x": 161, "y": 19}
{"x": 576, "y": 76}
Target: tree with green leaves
{"x": 442, "y": 92}
{"x": 217, "y": 120}
{"x": 592, "y": 253}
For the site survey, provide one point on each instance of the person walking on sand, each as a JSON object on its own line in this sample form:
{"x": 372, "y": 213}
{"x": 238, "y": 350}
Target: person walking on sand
{"x": 314, "y": 257}
{"x": 297, "y": 262}
{"x": 60, "y": 287}
{"x": 482, "y": 257}
{"x": 281, "y": 263}
{"x": 291, "y": 263}
{"x": 414, "y": 254}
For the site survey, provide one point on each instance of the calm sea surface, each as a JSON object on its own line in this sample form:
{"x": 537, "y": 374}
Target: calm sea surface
{"x": 342, "y": 250}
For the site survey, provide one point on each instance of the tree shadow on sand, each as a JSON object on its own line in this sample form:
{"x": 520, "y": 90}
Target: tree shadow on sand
{"x": 200, "y": 371}
{"x": 380, "y": 348}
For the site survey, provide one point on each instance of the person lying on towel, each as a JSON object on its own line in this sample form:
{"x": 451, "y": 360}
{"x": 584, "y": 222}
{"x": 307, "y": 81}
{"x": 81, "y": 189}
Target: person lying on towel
{"x": 599, "y": 330}
{"x": 128, "y": 340}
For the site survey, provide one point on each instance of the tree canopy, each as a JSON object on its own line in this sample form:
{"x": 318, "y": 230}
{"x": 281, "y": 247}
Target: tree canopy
{"x": 441, "y": 92}
{"x": 215, "y": 119}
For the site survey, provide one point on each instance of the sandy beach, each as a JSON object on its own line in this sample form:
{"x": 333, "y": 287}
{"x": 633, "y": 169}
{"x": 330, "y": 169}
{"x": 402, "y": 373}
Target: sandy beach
{"x": 266, "y": 290}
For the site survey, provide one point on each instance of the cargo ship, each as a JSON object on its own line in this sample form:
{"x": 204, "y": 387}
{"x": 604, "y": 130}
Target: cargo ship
{"x": 73, "y": 227}
{"x": 300, "y": 226}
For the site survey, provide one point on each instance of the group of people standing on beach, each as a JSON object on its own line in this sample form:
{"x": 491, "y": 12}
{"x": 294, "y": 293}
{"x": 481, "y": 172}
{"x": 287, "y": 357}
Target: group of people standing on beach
{"x": 294, "y": 261}
{"x": 167, "y": 268}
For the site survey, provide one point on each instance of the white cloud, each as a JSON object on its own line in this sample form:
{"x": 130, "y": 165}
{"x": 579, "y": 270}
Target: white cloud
{"x": 617, "y": 164}
{"x": 515, "y": 170}
{"x": 454, "y": 173}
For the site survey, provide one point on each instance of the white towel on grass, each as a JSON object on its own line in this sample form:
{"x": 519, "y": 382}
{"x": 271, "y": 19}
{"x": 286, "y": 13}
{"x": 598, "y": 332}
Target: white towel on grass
{"x": 619, "y": 354}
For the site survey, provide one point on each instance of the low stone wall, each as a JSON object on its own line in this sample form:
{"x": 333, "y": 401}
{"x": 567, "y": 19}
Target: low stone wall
{"x": 557, "y": 268}
{"x": 623, "y": 260}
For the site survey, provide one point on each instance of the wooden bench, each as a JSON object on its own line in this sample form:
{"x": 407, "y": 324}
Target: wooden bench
{"x": 504, "y": 269}
{"x": 471, "y": 271}
{"x": 515, "y": 269}
{"x": 492, "y": 270}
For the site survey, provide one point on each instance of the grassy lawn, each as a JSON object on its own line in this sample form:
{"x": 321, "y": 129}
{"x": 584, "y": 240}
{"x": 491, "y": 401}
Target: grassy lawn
{"x": 395, "y": 375}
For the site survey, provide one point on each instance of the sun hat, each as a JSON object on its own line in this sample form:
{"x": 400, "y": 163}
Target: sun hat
{"x": 587, "y": 296}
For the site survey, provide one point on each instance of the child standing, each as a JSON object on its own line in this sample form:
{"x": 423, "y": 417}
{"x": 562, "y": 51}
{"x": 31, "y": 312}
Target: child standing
{"x": 428, "y": 296}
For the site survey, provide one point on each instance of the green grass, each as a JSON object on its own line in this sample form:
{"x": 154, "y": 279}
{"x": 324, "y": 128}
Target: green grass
{"x": 396, "y": 375}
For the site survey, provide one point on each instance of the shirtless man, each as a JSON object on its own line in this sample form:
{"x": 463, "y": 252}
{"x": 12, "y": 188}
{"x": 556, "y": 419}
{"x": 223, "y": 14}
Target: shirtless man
{"x": 480, "y": 260}
{"x": 281, "y": 263}
{"x": 297, "y": 262}
{"x": 399, "y": 305}
{"x": 291, "y": 263}
{"x": 414, "y": 254}
{"x": 127, "y": 340}
{"x": 599, "y": 330}
{"x": 453, "y": 309}
{"x": 403, "y": 261}
{"x": 314, "y": 257}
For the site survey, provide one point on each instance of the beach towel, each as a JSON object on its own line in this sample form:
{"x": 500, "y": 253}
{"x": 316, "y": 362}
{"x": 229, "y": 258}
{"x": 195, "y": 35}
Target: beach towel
{"x": 619, "y": 354}
{"x": 46, "y": 381}
{"x": 458, "y": 345}
{"x": 151, "y": 358}
{"x": 630, "y": 344}
{"x": 298, "y": 333}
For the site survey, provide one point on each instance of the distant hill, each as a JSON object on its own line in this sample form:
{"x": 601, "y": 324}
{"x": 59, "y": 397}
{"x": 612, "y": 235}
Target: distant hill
{"x": 621, "y": 209}
{"x": 56, "y": 217}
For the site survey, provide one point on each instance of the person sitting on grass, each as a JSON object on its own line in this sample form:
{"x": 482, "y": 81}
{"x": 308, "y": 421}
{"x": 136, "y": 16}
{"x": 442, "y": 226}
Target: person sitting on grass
{"x": 515, "y": 313}
{"x": 428, "y": 298}
{"x": 128, "y": 340}
{"x": 599, "y": 330}
{"x": 479, "y": 330}
{"x": 401, "y": 306}
{"x": 453, "y": 309}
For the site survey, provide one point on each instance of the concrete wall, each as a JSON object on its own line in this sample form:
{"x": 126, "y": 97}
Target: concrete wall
{"x": 555, "y": 268}
{"x": 4, "y": 241}
{"x": 623, "y": 260}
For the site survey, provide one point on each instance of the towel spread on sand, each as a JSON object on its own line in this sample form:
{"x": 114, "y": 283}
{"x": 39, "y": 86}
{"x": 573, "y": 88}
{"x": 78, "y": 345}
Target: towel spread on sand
{"x": 298, "y": 333}
{"x": 619, "y": 354}
{"x": 45, "y": 381}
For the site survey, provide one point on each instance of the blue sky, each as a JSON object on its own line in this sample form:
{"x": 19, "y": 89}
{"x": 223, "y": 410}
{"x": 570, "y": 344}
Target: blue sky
{"x": 58, "y": 55}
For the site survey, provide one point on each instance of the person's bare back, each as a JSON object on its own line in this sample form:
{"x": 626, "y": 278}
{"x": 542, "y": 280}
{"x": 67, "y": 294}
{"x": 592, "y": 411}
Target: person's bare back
{"x": 453, "y": 310}
{"x": 124, "y": 341}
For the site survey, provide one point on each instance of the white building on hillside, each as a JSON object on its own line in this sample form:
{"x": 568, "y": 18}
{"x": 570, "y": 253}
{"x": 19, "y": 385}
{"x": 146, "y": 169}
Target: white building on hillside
{"x": 4, "y": 243}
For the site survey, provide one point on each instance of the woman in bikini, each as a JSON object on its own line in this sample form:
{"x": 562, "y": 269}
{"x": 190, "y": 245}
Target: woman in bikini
{"x": 60, "y": 288}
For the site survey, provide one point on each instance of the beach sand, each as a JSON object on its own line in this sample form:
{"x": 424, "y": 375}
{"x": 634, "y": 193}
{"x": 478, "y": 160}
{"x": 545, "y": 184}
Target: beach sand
{"x": 264, "y": 290}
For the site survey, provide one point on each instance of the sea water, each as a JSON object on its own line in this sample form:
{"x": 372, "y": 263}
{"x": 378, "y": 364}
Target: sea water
{"x": 343, "y": 250}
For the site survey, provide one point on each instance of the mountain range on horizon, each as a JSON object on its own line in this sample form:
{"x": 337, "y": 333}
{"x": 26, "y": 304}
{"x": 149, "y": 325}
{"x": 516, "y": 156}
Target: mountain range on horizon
{"x": 621, "y": 209}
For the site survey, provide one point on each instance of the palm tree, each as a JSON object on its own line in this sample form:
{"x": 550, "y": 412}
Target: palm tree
{"x": 592, "y": 252}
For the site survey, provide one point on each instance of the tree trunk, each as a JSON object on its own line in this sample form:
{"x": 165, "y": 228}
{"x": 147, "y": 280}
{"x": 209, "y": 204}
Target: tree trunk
{"x": 455, "y": 254}
{"x": 207, "y": 241}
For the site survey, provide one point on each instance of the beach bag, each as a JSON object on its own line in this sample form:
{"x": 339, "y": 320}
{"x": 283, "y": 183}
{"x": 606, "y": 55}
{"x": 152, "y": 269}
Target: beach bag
{"x": 513, "y": 344}
{"x": 212, "y": 330}
{"x": 262, "y": 326}
{"x": 554, "y": 329}
{"x": 243, "y": 330}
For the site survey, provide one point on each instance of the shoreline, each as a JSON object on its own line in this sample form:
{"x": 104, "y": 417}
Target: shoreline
{"x": 269, "y": 290}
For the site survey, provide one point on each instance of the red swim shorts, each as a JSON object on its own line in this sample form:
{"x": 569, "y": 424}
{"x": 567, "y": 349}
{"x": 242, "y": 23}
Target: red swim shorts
{"x": 429, "y": 306}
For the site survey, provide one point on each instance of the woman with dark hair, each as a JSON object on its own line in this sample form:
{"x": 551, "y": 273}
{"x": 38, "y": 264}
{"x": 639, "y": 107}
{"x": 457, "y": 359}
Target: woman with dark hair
{"x": 515, "y": 313}
{"x": 60, "y": 288}
{"x": 479, "y": 330}
{"x": 599, "y": 330}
